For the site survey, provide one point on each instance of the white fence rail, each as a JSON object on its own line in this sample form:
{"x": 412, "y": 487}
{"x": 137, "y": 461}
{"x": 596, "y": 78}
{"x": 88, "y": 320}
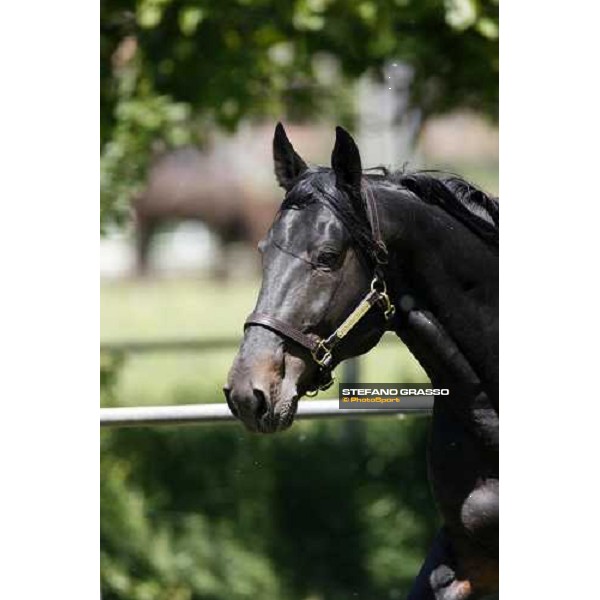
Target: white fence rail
{"x": 219, "y": 413}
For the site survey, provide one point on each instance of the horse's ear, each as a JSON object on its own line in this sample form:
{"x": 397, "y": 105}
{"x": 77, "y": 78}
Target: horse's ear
{"x": 288, "y": 164}
{"x": 345, "y": 160}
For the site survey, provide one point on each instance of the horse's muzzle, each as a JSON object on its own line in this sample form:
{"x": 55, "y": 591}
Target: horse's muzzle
{"x": 249, "y": 406}
{"x": 266, "y": 380}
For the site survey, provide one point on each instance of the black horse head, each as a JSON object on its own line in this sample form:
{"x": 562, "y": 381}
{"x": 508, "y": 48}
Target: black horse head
{"x": 321, "y": 255}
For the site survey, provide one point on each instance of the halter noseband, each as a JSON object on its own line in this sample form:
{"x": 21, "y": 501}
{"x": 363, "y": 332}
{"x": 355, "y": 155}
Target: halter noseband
{"x": 321, "y": 348}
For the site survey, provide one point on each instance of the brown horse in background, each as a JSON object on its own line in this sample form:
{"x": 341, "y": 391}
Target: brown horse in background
{"x": 187, "y": 184}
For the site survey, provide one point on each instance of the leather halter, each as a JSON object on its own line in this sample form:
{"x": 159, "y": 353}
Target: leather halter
{"x": 321, "y": 348}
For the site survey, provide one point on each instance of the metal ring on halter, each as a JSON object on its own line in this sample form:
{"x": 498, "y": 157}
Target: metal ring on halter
{"x": 378, "y": 281}
{"x": 389, "y": 310}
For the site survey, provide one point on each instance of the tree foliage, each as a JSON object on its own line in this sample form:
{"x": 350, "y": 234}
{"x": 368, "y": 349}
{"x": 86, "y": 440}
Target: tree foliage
{"x": 326, "y": 510}
{"x": 171, "y": 70}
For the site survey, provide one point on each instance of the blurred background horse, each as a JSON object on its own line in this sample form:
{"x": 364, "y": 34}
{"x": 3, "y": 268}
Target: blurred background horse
{"x": 187, "y": 184}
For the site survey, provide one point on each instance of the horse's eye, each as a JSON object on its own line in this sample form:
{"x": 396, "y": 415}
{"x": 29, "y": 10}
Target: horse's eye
{"x": 327, "y": 259}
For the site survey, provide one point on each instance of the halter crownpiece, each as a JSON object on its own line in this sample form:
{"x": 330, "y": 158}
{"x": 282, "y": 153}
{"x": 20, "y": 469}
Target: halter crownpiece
{"x": 321, "y": 348}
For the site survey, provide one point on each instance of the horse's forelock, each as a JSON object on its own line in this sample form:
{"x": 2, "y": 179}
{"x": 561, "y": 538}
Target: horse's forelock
{"x": 314, "y": 185}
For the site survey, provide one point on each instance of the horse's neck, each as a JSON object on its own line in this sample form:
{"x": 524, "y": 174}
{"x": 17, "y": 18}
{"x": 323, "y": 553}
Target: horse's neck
{"x": 470, "y": 402}
{"x": 453, "y": 277}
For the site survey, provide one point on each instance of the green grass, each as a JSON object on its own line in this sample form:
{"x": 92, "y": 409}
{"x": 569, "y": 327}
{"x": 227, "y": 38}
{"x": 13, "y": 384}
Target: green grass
{"x": 156, "y": 309}
{"x": 160, "y": 309}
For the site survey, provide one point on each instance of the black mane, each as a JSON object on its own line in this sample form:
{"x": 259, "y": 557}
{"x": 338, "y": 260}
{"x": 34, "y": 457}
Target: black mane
{"x": 458, "y": 197}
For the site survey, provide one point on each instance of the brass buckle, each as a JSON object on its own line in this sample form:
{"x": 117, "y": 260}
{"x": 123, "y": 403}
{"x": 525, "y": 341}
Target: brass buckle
{"x": 322, "y": 355}
{"x": 389, "y": 310}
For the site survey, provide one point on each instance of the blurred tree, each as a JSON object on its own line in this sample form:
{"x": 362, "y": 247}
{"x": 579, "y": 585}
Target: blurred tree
{"x": 221, "y": 514}
{"x": 172, "y": 69}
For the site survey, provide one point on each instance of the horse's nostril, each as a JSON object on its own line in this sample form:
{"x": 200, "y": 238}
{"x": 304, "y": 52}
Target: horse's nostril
{"x": 261, "y": 404}
{"x": 232, "y": 408}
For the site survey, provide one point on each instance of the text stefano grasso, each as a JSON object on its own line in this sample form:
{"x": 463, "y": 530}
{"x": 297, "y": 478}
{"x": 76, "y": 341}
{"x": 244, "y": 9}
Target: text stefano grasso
{"x": 396, "y": 391}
